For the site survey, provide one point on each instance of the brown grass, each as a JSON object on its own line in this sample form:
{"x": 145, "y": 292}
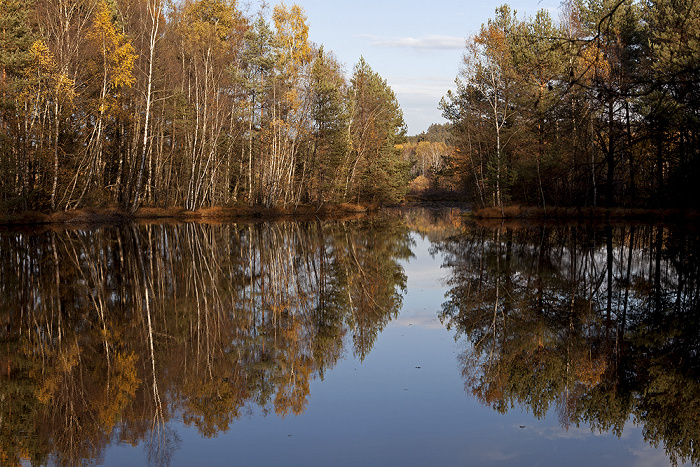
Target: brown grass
{"x": 28, "y": 217}
{"x": 89, "y": 216}
{"x": 494, "y": 212}
{"x": 112, "y": 214}
{"x": 77, "y": 216}
{"x": 567, "y": 213}
{"x": 349, "y": 207}
{"x": 156, "y": 213}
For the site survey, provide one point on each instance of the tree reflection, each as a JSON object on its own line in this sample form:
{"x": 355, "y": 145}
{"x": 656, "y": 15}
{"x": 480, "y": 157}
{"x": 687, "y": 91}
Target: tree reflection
{"x": 600, "y": 323}
{"x": 109, "y": 334}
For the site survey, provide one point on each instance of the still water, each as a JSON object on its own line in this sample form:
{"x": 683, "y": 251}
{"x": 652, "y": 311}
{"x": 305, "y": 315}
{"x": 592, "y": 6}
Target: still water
{"x": 411, "y": 338}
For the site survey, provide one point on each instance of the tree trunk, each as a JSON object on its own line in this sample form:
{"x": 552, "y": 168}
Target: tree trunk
{"x": 55, "y": 157}
{"x": 610, "y": 157}
{"x": 154, "y": 10}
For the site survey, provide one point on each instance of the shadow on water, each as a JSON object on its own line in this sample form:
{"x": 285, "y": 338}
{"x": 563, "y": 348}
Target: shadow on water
{"x": 599, "y": 323}
{"x": 107, "y": 335}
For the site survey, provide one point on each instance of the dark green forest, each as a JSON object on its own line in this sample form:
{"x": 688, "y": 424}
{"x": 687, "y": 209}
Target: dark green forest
{"x": 598, "y": 108}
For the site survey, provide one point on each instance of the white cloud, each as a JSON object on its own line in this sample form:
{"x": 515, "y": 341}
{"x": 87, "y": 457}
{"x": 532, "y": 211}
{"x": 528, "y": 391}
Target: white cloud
{"x": 422, "y": 86}
{"x": 425, "y": 43}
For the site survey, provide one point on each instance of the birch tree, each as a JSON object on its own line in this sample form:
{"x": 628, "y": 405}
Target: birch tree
{"x": 487, "y": 68}
{"x": 111, "y": 70}
{"x": 151, "y": 19}
{"x": 211, "y": 37}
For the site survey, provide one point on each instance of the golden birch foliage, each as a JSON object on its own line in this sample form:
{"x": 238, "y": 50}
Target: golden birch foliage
{"x": 293, "y": 37}
{"x": 123, "y": 65}
{"x": 116, "y": 48}
{"x": 210, "y": 29}
{"x": 42, "y": 59}
{"x": 296, "y": 367}
{"x": 204, "y": 18}
{"x": 589, "y": 371}
{"x": 593, "y": 65}
{"x": 121, "y": 391}
{"x": 45, "y": 391}
{"x": 39, "y": 73}
{"x": 64, "y": 361}
{"x": 492, "y": 52}
{"x": 44, "y": 73}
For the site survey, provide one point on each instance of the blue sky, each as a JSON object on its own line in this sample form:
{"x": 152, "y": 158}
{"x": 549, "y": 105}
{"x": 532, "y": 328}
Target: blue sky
{"x": 415, "y": 45}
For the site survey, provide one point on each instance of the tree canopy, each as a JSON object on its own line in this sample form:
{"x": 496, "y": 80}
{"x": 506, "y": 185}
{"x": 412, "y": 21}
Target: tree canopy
{"x": 193, "y": 104}
{"x": 598, "y": 108}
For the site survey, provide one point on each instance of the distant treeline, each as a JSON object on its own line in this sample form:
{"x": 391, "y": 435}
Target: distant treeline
{"x": 599, "y": 108}
{"x": 193, "y": 103}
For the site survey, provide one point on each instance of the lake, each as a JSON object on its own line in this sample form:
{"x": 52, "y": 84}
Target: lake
{"x": 409, "y": 338}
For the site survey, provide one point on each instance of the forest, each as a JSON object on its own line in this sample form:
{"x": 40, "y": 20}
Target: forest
{"x": 201, "y": 103}
{"x": 197, "y": 103}
{"x": 598, "y": 108}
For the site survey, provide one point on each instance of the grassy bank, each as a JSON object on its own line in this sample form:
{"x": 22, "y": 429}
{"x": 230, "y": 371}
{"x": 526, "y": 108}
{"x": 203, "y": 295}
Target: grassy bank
{"x": 586, "y": 213}
{"x": 114, "y": 215}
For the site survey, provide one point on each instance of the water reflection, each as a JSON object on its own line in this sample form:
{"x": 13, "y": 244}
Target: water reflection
{"x": 107, "y": 335}
{"x": 600, "y": 323}
{"x": 114, "y": 336}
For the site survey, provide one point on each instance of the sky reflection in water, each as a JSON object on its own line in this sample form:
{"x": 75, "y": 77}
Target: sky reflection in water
{"x": 405, "y": 404}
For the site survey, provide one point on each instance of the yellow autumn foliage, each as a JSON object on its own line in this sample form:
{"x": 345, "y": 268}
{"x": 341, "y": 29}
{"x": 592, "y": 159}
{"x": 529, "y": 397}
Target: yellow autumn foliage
{"x": 593, "y": 64}
{"x": 124, "y": 382}
{"x": 115, "y": 47}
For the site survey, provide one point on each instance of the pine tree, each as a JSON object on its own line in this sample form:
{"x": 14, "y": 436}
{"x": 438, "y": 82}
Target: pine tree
{"x": 331, "y": 119}
{"x": 376, "y": 172}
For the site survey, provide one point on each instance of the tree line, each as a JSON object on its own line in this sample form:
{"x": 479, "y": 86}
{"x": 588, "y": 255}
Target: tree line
{"x": 427, "y": 154}
{"x": 192, "y": 103}
{"x": 599, "y": 108}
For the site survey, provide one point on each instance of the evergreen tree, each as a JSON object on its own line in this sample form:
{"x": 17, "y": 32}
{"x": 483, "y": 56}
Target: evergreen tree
{"x": 376, "y": 172}
{"x": 16, "y": 38}
{"x": 331, "y": 119}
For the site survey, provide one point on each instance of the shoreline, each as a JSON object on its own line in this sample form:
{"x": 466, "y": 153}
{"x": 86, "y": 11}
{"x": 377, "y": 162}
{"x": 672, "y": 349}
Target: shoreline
{"x": 598, "y": 214}
{"x": 115, "y": 215}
